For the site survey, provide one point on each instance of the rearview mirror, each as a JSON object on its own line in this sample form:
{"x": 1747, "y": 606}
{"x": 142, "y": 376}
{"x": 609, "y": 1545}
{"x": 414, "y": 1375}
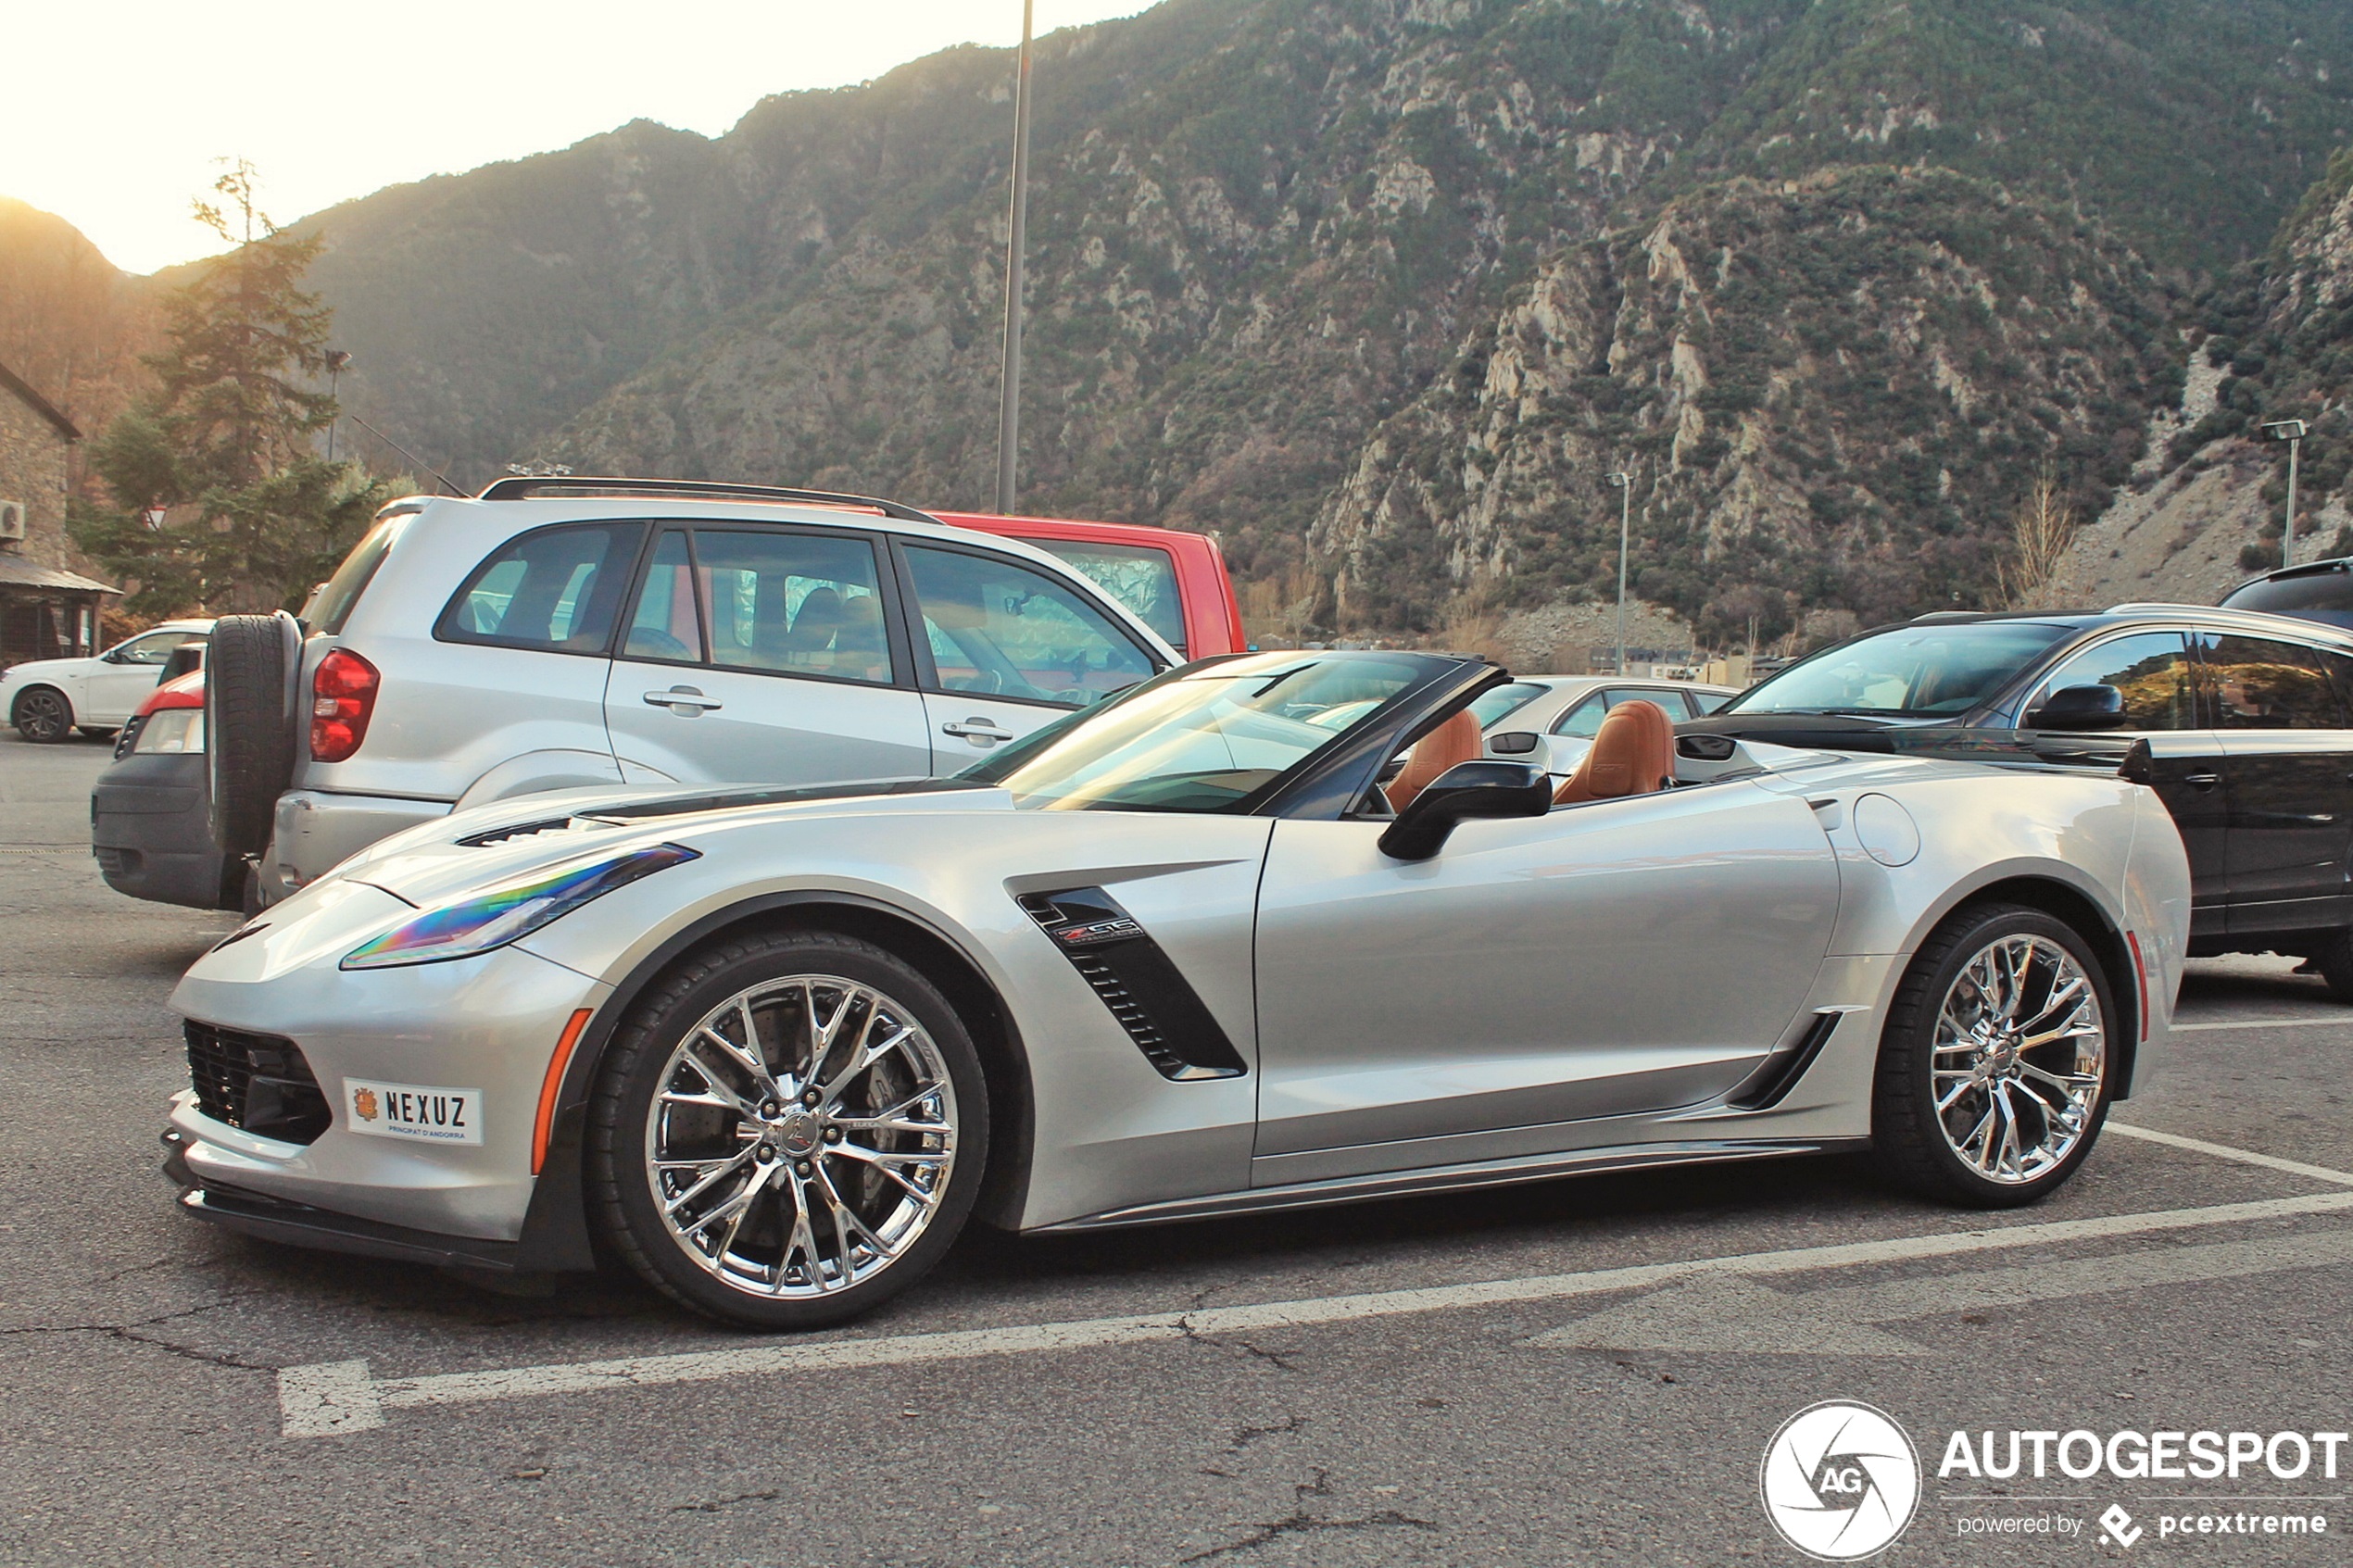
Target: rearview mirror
{"x": 1462, "y": 792}
{"x": 1514, "y": 743}
{"x": 2079, "y": 708}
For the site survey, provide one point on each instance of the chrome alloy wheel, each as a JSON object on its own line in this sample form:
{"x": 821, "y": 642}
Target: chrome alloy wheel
{"x": 802, "y": 1137}
{"x": 2020, "y": 1056}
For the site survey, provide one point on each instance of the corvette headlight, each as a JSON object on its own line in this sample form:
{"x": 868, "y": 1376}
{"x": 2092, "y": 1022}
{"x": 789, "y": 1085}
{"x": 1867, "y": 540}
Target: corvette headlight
{"x": 494, "y": 918}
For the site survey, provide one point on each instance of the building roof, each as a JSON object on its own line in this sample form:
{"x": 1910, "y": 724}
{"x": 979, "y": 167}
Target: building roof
{"x": 17, "y": 572}
{"x": 39, "y": 404}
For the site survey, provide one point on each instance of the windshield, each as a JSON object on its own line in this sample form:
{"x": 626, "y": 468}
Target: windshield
{"x": 1916, "y": 670}
{"x": 1203, "y": 739}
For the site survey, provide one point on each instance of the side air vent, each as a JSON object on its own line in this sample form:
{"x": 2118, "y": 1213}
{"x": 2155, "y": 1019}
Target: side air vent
{"x": 489, "y": 836}
{"x": 1780, "y": 1071}
{"x": 1144, "y": 990}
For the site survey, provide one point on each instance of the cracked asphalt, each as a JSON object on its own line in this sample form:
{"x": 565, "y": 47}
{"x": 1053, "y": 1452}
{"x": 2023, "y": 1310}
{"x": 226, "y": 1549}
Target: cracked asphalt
{"x": 139, "y": 1351}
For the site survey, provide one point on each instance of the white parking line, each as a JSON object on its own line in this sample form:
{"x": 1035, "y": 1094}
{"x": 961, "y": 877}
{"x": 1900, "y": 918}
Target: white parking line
{"x": 339, "y": 1397}
{"x": 2224, "y": 1151}
{"x": 2344, "y": 1023}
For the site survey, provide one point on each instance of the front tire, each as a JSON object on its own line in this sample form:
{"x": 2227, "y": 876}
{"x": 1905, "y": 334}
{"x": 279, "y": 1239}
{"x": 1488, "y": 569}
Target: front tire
{"x": 2334, "y": 959}
{"x": 1995, "y": 1071}
{"x": 41, "y": 715}
{"x": 788, "y": 1131}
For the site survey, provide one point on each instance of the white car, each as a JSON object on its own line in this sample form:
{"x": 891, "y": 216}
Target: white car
{"x": 49, "y": 699}
{"x": 555, "y": 633}
{"x": 1562, "y": 713}
{"x": 1241, "y": 939}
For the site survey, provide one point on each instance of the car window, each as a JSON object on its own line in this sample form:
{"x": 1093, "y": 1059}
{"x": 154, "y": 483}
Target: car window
{"x": 1585, "y": 718}
{"x": 1138, "y": 576}
{"x": 1941, "y": 668}
{"x": 1668, "y": 700}
{"x": 1504, "y": 701}
{"x": 1000, "y": 628}
{"x": 555, "y": 589}
{"x": 153, "y": 648}
{"x": 2261, "y": 684}
{"x": 798, "y": 603}
{"x": 2152, "y": 669}
{"x": 340, "y": 594}
{"x": 667, "y": 624}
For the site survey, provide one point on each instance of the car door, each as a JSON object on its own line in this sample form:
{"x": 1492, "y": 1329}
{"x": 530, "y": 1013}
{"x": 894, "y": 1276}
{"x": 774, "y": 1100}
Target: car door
{"x": 2153, "y": 669}
{"x": 1611, "y": 958}
{"x": 2286, "y": 755}
{"x": 123, "y": 677}
{"x": 764, "y": 655}
{"x": 1002, "y": 647}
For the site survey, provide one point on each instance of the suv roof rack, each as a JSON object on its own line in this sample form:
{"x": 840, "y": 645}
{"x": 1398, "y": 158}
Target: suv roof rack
{"x": 523, "y": 486}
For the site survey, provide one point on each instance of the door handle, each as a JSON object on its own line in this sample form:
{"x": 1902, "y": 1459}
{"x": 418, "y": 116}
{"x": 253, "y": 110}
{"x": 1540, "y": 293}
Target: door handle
{"x": 2201, "y": 781}
{"x": 685, "y": 701}
{"x": 975, "y": 729}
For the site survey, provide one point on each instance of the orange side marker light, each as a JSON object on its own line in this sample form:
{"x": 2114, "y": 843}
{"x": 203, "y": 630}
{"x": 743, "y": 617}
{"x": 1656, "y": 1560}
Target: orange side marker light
{"x": 556, "y": 1065}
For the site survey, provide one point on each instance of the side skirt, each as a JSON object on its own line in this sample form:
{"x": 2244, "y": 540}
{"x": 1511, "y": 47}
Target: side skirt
{"x": 1450, "y": 1178}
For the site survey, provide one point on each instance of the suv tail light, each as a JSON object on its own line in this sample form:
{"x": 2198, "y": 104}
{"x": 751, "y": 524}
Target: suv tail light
{"x": 343, "y": 696}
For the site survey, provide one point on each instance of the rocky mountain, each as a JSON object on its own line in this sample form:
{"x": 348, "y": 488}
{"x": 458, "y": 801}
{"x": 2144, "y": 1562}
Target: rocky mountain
{"x": 2208, "y": 505}
{"x": 70, "y": 323}
{"x": 1380, "y": 289}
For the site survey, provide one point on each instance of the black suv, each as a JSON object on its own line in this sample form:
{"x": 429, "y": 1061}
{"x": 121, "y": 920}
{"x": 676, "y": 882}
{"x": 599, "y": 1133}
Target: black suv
{"x": 2242, "y": 723}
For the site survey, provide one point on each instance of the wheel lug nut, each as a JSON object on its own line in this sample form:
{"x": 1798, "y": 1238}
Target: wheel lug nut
{"x": 803, "y": 1168}
{"x": 764, "y": 1154}
{"x": 811, "y": 1098}
{"x": 833, "y": 1134}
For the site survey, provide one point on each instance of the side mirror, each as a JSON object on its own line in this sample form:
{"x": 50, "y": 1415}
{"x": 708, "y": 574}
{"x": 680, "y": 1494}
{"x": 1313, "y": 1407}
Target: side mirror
{"x": 2079, "y": 708}
{"x": 113, "y": 655}
{"x": 1514, "y": 743}
{"x": 1462, "y": 792}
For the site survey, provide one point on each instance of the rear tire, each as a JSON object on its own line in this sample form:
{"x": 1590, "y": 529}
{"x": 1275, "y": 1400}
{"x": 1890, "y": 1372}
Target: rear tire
{"x": 2334, "y": 959}
{"x": 248, "y": 725}
{"x": 813, "y": 1185}
{"x": 1996, "y": 1066}
{"x": 41, "y": 715}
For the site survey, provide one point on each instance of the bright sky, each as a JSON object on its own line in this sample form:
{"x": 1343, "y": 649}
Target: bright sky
{"x": 115, "y": 112}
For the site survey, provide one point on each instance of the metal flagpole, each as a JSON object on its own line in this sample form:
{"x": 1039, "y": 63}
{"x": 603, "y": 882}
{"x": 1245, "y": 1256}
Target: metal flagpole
{"x": 1625, "y": 485}
{"x": 1009, "y": 391}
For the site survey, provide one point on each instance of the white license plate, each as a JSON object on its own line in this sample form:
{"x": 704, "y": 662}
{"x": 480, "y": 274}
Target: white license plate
{"x": 424, "y": 1112}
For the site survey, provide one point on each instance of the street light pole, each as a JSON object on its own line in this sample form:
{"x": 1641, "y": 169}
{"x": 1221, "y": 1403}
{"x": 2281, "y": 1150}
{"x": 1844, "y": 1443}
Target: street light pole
{"x": 1624, "y": 485}
{"x": 2291, "y": 432}
{"x": 1009, "y": 389}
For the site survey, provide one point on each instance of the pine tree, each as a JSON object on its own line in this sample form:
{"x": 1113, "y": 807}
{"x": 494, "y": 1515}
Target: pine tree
{"x": 225, "y": 442}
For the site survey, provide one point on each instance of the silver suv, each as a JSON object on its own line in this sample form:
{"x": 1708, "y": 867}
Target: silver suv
{"x": 551, "y": 633}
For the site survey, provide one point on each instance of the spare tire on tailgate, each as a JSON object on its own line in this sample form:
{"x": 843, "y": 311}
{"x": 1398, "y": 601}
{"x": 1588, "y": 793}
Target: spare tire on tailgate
{"x": 250, "y": 669}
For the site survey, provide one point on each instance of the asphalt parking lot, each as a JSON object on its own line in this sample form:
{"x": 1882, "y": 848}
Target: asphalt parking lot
{"x": 1578, "y": 1371}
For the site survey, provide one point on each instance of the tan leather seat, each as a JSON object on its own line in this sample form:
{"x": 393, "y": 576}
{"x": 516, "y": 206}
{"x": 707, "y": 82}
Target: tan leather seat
{"x": 1633, "y": 753}
{"x": 1458, "y": 740}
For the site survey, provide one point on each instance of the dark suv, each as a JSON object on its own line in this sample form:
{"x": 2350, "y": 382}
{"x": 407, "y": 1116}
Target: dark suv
{"x": 2242, "y": 723}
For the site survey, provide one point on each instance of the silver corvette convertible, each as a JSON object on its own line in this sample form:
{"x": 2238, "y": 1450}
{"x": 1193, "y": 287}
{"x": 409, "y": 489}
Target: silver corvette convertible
{"x": 1266, "y": 931}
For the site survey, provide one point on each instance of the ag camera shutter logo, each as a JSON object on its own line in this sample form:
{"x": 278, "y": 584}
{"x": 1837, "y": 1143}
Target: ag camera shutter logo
{"x": 1840, "y": 1481}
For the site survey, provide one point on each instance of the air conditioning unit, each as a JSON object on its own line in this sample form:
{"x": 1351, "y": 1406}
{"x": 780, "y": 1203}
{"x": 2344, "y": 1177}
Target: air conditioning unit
{"x": 11, "y": 520}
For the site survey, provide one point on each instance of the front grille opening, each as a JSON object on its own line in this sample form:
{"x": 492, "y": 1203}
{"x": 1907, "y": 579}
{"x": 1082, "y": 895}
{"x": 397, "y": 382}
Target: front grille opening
{"x": 259, "y": 1083}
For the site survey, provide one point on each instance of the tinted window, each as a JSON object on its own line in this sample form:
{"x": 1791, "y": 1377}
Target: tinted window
{"x": 2151, "y": 668}
{"x": 667, "y": 624}
{"x": 1137, "y": 575}
{"x": 342, "y": 591}
{"x": 798, "y": 603}
{"x": 1945, "y": 668}
{"x": 999, "y": 629}
{"x": 1503, "y": 701}
{"x": 1671, "y": 702}
{"x": 555, "y": 590}
{"x": 2260, "y": 684}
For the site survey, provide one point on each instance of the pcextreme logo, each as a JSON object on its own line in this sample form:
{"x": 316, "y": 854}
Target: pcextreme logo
{"x": 1840, "y": 1481}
